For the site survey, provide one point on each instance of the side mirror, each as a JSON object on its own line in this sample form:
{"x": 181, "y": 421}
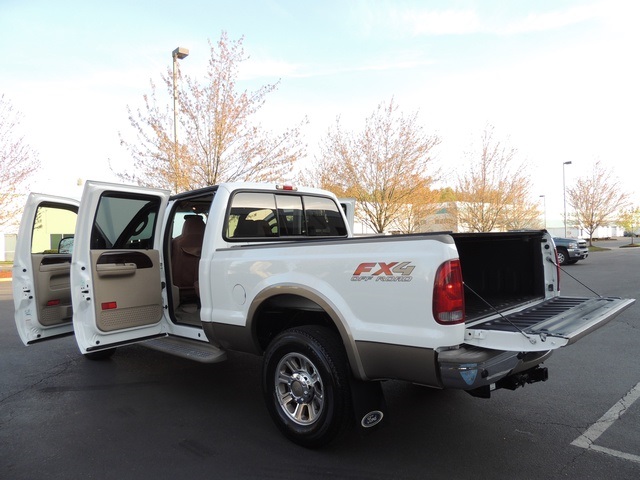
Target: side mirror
{"x": 66, "y": 245}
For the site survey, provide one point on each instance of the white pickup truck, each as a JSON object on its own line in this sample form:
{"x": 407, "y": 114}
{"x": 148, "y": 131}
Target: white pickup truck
{"x": 275, "y": 271}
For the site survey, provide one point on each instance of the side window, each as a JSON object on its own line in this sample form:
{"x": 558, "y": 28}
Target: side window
{"x": 124, "y": 223}
{"x": 52, "y": 224}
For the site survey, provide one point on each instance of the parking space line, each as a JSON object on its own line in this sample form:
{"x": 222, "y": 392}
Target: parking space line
{"x": 588, "y": 438}
{"x": 615, "y": 453}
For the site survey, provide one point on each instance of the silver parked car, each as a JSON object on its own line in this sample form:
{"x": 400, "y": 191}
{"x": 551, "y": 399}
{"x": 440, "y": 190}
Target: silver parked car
{"x": 570, "y": 250}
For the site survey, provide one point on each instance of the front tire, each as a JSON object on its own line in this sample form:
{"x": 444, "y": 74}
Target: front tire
{"x": 305, "y": 380}
{"x": 563, "y": 256}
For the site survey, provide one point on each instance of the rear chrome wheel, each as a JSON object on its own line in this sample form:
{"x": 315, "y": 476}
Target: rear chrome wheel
{"x": 306, "y": 385}
{"x": 299, "y": 389}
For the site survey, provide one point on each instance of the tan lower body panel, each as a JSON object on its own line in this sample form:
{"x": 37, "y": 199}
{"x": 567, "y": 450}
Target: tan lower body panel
{"x": 385, "y": 361}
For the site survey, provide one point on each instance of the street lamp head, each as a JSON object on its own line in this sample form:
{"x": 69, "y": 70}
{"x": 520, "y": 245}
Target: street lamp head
{"x": 565, "y": 163}
{"x": 180, "y": 53}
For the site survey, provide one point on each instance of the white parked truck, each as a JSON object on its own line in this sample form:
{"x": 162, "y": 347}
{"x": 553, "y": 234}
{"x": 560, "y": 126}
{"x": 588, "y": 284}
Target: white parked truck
{"x": 274, "y": 270}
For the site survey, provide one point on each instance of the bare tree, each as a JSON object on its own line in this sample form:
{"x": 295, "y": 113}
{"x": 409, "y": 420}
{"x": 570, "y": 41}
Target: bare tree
{"x": 629, "y": 219}
{"x": 522, "y": 213}
{"x": 493, "y": 194}
{"x": 414, "y": 216}
{"x": 383, "y": 167}
{"x": 596, "y": 198}
{"x": 18, "y": 162}
{"x": 219, "y": 140}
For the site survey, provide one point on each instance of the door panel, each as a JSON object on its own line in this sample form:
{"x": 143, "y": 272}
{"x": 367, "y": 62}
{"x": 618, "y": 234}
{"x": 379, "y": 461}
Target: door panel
{"x": 53, "y": 289}
{"x": 128, "y": 292}
{"x": 41, "y": 272}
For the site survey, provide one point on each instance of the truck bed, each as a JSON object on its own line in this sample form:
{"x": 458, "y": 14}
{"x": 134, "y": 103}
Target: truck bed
{"x": 500, "y": 270}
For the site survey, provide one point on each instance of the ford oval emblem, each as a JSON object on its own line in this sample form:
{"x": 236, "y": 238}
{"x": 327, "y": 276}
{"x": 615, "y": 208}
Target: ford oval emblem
{"x": 371, "y": 419}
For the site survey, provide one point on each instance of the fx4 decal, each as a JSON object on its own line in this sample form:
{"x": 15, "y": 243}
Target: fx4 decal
{"x": 383, "y": 272}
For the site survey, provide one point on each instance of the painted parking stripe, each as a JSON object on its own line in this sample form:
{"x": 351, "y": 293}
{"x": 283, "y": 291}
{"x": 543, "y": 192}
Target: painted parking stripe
{"x": 588, "y": 438}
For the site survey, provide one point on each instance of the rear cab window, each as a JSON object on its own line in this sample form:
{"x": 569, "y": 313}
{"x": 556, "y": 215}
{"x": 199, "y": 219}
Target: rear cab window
{"x": 270, "y": 216}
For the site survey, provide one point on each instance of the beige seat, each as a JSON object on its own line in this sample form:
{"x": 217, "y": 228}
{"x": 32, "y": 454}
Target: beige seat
{"x": 185, "y": 257}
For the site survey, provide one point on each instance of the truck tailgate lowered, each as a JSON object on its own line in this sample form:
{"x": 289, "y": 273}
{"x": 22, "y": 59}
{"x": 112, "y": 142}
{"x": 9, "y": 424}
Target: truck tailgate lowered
{"x": 552, "y": 324}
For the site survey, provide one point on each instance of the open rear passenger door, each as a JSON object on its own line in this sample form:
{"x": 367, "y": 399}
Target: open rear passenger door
{"x": 115, "y": 274}
{"x": 41, "y": 268}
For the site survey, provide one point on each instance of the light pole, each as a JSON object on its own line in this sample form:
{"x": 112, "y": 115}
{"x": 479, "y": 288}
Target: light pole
{"x": 564, "y": 193}
{"x": 178, "y": 54}
{"x": 544, "y": 205}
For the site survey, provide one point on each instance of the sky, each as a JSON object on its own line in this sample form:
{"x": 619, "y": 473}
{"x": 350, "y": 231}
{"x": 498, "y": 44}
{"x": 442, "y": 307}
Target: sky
{"x": 558, "y": 80}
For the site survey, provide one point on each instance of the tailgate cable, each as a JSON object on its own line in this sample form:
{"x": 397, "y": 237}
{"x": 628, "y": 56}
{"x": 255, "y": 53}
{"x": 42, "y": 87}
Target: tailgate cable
{"x": 531, "y": 339}
{"x": 565, "y": 272}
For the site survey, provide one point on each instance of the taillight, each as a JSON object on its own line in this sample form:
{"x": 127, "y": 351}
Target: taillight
{"x": 448, "y": 294}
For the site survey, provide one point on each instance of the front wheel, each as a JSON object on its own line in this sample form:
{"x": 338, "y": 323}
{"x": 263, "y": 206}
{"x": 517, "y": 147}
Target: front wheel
{"x": 305, "y": 380}
{"x": 563, "y": 256}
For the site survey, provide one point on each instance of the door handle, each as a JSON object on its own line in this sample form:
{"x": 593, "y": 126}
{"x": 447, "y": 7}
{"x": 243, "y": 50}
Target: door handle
{"x": 115, "y": 269}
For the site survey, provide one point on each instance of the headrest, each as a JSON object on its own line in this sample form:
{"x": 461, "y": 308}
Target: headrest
{"x": 193, "y": 225}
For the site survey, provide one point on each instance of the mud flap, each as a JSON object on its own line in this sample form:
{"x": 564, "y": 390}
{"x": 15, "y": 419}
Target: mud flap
{"x": 368, "y": 404}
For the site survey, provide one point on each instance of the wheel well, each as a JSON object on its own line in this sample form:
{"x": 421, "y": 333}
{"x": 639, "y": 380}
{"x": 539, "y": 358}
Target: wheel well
{"x": 281, "y": 312}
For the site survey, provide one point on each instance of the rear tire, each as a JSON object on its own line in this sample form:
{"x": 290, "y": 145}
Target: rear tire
{"x": 305, "y": 381}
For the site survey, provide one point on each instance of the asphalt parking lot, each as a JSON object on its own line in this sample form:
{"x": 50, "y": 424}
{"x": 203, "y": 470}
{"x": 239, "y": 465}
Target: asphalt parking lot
{"x": 144, "y": 414}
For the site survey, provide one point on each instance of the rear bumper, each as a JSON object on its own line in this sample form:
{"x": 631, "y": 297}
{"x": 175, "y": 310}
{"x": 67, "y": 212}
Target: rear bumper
{"x": 471, "y": 368}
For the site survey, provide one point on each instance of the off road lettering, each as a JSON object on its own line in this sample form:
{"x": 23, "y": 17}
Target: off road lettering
{"x": 364, "y": 268}
{"x": 383, "y": 272}
{"x": 385, "y": 268}
{"x": 405, "y": 268}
